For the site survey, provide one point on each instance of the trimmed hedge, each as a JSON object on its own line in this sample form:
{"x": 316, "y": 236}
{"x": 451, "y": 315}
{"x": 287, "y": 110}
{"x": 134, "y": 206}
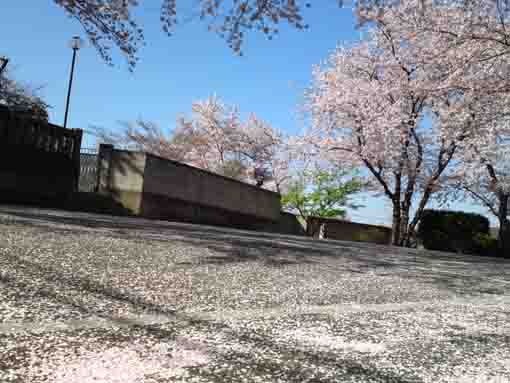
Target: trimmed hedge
{"x": 454, "y": 231}
{"x": 487, "y": 246}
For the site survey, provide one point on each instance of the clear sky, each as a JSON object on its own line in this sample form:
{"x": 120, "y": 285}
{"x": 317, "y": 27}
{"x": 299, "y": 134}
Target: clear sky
{"x": 268, "y": 80}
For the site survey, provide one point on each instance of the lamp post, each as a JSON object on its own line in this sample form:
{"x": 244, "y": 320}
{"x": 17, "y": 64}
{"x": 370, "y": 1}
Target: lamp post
{"x": 75, "y": 44}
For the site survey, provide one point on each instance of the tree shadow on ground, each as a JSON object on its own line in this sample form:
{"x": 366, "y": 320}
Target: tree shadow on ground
{"x": 292, "y": 364}
{"x": 460, "y": 274}
{"x": 231, "y": 242}
{"x": 452, "y": 272}
{"x": 51, "y": 284}
{"x": 242, "y": 249}
{"x": 462, "y": 285}
{"x": 126, "y": 225}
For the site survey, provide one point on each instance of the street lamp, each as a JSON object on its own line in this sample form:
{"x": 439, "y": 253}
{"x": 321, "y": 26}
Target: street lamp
{"x": 75, "y": 45}
{"x": 3, "y": 63}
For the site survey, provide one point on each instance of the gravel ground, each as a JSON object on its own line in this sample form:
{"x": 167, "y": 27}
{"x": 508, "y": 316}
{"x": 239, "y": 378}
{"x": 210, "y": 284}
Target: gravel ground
{"x": 91, "y": 298}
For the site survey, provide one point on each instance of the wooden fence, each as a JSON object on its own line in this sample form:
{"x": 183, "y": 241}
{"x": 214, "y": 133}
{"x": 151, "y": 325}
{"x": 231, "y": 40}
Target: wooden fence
{"x": 37, "y": 157}
{"x": 41, "y": 135}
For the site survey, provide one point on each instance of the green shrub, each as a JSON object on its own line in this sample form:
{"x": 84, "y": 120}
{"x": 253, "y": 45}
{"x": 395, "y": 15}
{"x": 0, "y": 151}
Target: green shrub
{"x": 452, "y": 230}
{"x": 486, "y": 245}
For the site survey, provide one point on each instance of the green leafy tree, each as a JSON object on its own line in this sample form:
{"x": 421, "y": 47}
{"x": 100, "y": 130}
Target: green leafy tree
{"x": 324, "y": 194}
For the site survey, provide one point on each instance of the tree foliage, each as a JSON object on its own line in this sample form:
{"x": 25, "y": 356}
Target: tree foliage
{"x": 216, "y": 139}
{"x": 21, "y": 98}
{"x": 416, "y": 100}
{"x": 469, "y": 42}
{"x": 110, "y": 23}
{"x": 325, "y": 193}
{"x": 368, "y": 105}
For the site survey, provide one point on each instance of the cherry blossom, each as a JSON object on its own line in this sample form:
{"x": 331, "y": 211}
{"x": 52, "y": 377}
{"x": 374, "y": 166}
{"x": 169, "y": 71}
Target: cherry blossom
{"x": 21, "y": 97}
{"x": 371, "y": 108}
{"x": 469, "y": 42}
{"x": 215, "y": 138}
{"x": 110, "y": 23}
{"x": 417, "y": 101}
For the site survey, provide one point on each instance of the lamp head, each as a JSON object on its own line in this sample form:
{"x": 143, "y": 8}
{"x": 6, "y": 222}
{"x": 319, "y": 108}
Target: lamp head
{"x": 76, "y": 43}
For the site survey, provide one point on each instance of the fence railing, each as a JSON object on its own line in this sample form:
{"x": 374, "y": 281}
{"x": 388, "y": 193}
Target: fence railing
{"x": 88, "y": 170}
{"x": 17, "y": 130}
{"x": 89, "y": 151}
{"x": 36, "y": 147}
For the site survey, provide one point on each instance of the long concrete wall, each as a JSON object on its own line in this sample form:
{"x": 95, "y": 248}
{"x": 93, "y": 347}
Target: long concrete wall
{"x": 185, "y": 183}
{"x": 349, "y": 231}
{"x": 155, "y": 187}
{"x": 287, "y": 224}
{"x": 121, "y": 176}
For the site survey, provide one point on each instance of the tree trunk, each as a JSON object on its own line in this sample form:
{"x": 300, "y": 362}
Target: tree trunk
{"x": 312, "y": 226}
{"x": 395, "y": 228}
{"x": 404, "y": 224}
{"x": 504, "y": 224}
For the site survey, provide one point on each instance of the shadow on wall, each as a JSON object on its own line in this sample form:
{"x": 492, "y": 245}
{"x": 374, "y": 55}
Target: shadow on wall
{"x": 153, "y": 187}
{"x": 95, "y": 203}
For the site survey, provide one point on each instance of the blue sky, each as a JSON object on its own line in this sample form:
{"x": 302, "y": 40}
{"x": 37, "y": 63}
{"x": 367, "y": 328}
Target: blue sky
{"x": 268, "y": 80}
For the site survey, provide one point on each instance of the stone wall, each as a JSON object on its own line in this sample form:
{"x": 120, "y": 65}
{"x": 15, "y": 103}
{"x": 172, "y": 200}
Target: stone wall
{"x": 154, "y": 187}
{"x": 287, "y": 224}
{"x": 348, "y": 231}
{"x": 178, "y": 181}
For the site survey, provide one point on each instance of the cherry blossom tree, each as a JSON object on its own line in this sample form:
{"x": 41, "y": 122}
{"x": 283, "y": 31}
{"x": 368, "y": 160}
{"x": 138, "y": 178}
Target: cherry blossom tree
{"x": 216, "y": 139}
{"x": 211, "y": 134}
{"x": 374, "y": 105}
{"x": 467, "y": 40}
{"x": 110, "y": 23}
{"x": 144, "y": 136}
{"x": 268, "y": 151}
{"x": 418, "y": 100}
{"x": 470, "y": 42}
{"x": 21, "y": 97}
{"x": 266, "y": 155}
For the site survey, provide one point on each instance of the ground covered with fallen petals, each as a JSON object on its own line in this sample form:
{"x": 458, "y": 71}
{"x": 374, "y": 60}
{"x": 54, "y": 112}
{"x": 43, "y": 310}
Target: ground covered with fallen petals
{"x": 91, "y": 298}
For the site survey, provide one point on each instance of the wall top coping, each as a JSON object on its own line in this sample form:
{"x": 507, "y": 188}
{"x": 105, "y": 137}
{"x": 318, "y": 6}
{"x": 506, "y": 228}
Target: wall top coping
{"x": 212, "y": 174}
{"x": 342, "y": 221}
